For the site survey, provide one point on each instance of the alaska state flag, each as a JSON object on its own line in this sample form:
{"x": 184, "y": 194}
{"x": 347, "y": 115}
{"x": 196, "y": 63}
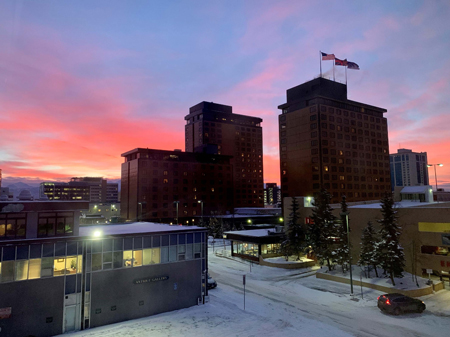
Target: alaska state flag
{"x": 352, "y": 65}
{"x": 327, "y": 57}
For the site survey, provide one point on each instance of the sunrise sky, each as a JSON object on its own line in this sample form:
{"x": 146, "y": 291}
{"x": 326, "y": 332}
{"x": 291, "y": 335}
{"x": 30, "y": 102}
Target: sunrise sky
{"x": 83, "y": 81}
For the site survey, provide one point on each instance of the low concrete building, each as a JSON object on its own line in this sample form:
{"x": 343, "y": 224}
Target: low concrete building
{"x": 425, "y": 229}
{"x": 56, "y": 276}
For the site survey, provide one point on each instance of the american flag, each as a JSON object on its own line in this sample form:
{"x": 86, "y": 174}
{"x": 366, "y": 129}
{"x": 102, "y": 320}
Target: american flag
{"x": 327, "y": 57}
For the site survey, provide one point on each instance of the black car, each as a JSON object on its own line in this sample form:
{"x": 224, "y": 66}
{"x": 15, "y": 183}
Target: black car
{"x": 398, "y": 304}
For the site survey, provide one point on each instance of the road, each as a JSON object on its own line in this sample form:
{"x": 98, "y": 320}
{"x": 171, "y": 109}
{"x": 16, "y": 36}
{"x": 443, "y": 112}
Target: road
{"x": 290, "y": 295}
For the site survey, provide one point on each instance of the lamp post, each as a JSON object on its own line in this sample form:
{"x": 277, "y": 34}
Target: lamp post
{"x": 140, "y": 215}
{"x": 176, "y": 203}
{"x": 349, "y": 252}
{"x": 435, "y": 175}
{"x": 201, "y": 205}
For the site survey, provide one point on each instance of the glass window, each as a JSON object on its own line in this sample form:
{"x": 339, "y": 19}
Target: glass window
{"x": 59, "y": 266}
{"x": 173, "y": 253}
{"x": 156, "y": 255}
{"x": 96, "y": 261}
{"x": 21, "y": 270}
{"x": 189, "y": 251}
{"x": 8, "y": 271}
{"x": 137, "y": 258}
{"x": 107, "y": 260}
{"x": 147, "y": 256}
{"x": 128, "y": 258}
{"x": 35, "y": 269}
{"x": 164, "y": 254}
{"x": 47, "y": 267}
{"x": 117, "y": 260}
{"x": 197, "y": 250}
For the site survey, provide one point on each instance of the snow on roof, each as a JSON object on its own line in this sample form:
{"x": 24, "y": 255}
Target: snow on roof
{"x": 415, "y": 189}
{"x": 253, "y": 232}
{"x": 401, "y": 204}
{"x": 134, "y": 228}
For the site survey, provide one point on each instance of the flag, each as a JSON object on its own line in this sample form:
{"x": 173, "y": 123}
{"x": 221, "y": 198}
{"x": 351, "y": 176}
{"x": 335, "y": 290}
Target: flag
{"x": 327, "y": 57}
{"x": 352, "y": 65}
{"x": 340, "y": 62}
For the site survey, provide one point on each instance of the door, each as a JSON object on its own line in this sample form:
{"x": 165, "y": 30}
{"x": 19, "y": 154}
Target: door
{"x": 70, "y": 318}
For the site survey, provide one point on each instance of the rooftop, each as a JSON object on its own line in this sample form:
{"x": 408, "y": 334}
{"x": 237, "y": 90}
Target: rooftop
{"x": 134, "y": 228}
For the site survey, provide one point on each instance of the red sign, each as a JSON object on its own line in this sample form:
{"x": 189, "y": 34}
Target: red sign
{"x": 308, "y": 221}
{"x": 5, "y": 312}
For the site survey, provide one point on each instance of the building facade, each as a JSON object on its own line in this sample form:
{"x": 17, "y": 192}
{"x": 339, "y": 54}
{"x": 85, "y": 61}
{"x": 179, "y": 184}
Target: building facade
{"x": 175, "y": 186}
{"x": 328, "y": 141}
{"x": 91, "y": 276}
{"x": 214, "y": 128}
{"x": 425, "y": 231}
{"x": 272, "y": 195}
{"x": 93, "y": 189}
{"x": 408, "y": 168}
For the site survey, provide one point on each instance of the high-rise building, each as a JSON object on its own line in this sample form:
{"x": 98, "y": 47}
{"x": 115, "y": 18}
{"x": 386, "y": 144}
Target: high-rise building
{"x": 214, "y": 128}
{"x": 272, "y": 194}
{"x": 164, "y": 185}
{"x": 328, "y": 141}
{"x": 409, "y": 168}
{"x": 93, "y": 189}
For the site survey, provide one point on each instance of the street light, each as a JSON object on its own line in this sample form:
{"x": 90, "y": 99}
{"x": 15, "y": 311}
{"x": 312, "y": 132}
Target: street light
{"x": 349, "y": 252}
{"x": 176, "y": 203}
{"x": 201, "y": 205}
{"x": 435, "y": 175}
{"x": 140, "y": 205}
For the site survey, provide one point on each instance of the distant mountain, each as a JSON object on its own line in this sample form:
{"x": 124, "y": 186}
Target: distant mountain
{"x": 18, "y": 187}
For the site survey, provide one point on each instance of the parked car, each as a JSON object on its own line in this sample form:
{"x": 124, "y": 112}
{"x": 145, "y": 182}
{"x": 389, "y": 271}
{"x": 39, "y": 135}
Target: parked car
{"x": 211, "y": 283}
{"x": 398, "y": 304}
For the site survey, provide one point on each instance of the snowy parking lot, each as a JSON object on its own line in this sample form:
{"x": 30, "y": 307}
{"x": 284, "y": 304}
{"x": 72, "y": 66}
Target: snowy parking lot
{"x": 282, "y": 302}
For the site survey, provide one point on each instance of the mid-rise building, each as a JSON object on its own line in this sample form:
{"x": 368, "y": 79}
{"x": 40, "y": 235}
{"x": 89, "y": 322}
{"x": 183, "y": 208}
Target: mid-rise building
{"x": 56, "y": 276}
{"x": 408, "y": 168}
{"x": 272, "y": 194}
{"x": 328, "y": 141}
{"x": 214, "y": 128}
{"x": 93, "y": 189}
{"x": 175, "y": 186}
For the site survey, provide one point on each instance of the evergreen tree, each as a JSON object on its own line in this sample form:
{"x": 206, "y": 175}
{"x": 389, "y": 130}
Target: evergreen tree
{"x": 368, "y": 255}
{"x": 320, "y": 232}
{"x": 342, "y": 250}
{"x": 393, "y": 259}
{"x": 295, "y": 234}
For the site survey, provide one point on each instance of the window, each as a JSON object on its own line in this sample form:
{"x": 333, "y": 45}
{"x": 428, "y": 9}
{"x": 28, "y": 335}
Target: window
{"x": 51, "y": 224}
{"x": 12, "y": 225}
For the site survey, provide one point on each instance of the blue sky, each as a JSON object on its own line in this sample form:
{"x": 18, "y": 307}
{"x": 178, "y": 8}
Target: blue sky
{"x": 83, "y": 81}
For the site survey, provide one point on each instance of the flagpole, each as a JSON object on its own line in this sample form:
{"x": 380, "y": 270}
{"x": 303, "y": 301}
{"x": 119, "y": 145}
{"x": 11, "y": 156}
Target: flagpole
{"x": 334, "y": 77}
{"x": 320, "y": 60}
{"x": 346, "y": 74}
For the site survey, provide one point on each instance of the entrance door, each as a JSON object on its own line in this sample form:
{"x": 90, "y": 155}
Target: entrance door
{"x": 70, "y": 318}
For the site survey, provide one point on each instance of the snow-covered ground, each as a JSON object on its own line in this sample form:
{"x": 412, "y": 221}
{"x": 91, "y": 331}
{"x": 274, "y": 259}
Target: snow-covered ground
{"x": 281, "y": 302}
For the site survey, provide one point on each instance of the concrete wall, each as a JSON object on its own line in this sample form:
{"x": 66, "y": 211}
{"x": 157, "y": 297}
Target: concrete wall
{"x": 413, "y": 292}
{"x": 116, "y": 288}
{"x": 33, "y": 302}
{"x": 292, "y": 265}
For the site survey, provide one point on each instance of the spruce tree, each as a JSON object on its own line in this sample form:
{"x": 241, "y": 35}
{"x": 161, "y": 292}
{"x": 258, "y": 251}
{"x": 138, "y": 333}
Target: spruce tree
{"x": 368, "y": 255}
{"x": 322, "y": 228}
{"x": 295, "y": 234}
{"x": 341, "y": 250}
{"x": 391, "y": 253}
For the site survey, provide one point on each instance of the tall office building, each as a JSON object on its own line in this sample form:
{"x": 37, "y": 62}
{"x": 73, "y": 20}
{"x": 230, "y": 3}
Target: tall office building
{"x": 409, "y": 168}
{"x": 214, "y": 128}
{"x": 328, "y": 141}
{"x": 164, "y": 185}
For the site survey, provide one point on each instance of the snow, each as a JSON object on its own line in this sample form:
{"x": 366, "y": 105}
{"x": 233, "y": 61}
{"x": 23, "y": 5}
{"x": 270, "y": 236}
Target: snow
{"x": 253, "y": 232}
{"x": 134, "y": 228}
{"x": 283, "y": 302}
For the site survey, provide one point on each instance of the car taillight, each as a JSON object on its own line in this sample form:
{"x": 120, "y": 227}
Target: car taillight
{"x": 378, "y": 298}
{"x": 388, "y": 302}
